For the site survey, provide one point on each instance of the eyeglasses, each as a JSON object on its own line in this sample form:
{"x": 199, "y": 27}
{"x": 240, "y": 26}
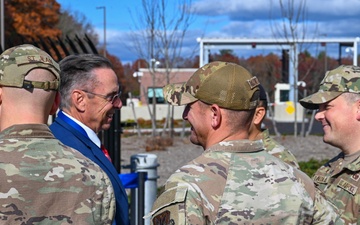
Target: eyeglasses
{"x": 114, "y": 100}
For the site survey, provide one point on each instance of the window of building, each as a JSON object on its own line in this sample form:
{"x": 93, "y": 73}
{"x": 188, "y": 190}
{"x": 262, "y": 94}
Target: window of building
{"x": 158, "y": 94}
{"x": 284, "y": 95}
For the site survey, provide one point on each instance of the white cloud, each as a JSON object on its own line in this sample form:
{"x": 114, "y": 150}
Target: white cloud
{"x": 260, "y": 9}
{"x": 248, "y": 19}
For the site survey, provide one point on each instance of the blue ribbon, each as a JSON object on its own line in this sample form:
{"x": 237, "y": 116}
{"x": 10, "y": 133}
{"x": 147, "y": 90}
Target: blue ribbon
{"x": 130, "y": 180}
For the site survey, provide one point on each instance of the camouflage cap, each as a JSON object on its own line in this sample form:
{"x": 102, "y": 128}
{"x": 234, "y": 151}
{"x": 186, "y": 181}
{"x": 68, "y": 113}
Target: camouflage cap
{"x": 343, "y": 79}
{"x": 262, "y": 93}
{"x": 17, "y": 62}
{"x": 226, "y": 84}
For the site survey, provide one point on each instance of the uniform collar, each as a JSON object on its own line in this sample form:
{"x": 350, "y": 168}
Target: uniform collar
{"x": 245, "y": 146}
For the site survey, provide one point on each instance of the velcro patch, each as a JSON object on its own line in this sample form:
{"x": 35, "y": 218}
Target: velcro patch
{"x": 349, "y": 187}
{"x": 355, "y": 177}
{"x": 163, "y": 219}
{"x": 321, "y": 179}
{"x": 253, "y": 82}
{"x": 168, "y": 209}
{"x": 20, "y": 60}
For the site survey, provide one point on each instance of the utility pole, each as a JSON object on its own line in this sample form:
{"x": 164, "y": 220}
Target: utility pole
{"x": 325, "y": 53}
{"x": 104, "y": 8}
{"x": 2, "y": 24}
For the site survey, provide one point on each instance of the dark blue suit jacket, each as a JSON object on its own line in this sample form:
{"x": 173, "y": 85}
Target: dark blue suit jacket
{"x": 73, "y": 138}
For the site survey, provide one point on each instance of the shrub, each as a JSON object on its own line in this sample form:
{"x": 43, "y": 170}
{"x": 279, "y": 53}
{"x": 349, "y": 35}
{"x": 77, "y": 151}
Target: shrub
{"x": 311, "y": 166}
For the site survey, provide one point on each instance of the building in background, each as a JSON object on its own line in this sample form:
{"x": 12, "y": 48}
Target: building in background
{"x": 147, "y": 85}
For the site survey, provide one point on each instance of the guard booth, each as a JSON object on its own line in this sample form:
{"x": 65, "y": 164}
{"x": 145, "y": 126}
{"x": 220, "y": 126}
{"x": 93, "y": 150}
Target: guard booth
{"x": 284, "y": 109}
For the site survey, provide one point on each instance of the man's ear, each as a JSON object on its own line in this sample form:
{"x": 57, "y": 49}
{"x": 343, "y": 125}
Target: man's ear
{"x": 78, "y": 99}
{"x": 215, "y": 116}
{"x": 357, "y": 109}
{"x": 259, "y": 115}
{"x": 1, "y": 95}
{"x": 56, "y": 104}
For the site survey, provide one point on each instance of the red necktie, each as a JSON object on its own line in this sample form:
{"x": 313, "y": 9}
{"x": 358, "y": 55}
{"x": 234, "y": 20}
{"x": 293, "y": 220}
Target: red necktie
{"x": 106, "y": 153}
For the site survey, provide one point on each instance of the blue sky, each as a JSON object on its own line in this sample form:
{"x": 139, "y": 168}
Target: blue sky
{"x": 220, "y": 19}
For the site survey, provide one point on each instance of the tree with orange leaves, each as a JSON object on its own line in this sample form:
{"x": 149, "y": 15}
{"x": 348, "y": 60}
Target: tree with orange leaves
{"x": 31, "y": 19}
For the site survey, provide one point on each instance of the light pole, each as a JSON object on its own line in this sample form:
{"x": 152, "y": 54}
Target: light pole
{"x": 104, "y": 8}
{"x": 325, "y": 55}
{"x": 2, "y": 24}
{"x": 325, "y": 62}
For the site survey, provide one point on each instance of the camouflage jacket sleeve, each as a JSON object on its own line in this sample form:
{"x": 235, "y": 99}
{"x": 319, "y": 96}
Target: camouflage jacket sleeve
{"x": 324, "y": 211}
{"x": 179, "y": 204}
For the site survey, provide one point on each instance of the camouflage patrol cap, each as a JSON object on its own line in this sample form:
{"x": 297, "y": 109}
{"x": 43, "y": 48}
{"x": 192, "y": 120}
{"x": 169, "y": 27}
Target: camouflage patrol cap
{"x": 226, "y": 84}
{"x": 262, "y": 93}
{"x": 17, "y": 62}
{"x": 343, "y": 79}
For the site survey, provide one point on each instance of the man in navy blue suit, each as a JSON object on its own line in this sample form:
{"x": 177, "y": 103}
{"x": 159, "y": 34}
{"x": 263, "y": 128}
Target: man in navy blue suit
{"x": 89, "y": 90}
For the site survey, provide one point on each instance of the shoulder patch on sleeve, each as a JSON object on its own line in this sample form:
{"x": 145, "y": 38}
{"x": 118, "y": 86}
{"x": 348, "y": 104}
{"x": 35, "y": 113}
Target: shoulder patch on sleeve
{"x": 171, "y": 196}
{"x": 163, "y": 219}
{"x": 169, "y": 207}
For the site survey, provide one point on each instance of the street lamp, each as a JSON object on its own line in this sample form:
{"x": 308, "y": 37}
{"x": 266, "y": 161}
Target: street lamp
{"x": 104, "y": 8}
{"x": 154, "y": 64}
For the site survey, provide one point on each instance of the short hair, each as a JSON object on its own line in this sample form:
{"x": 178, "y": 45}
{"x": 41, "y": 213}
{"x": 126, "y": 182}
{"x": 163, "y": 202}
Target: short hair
{"x": 351, "y": 97}
{"x": 263, "y": 103}
{"x": 76, "y": 71}
{"x": 239, "y": 120}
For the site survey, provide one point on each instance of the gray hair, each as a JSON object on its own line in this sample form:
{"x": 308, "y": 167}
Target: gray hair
{"x": 351, "y": 97}
{"x": 76, "y": 72}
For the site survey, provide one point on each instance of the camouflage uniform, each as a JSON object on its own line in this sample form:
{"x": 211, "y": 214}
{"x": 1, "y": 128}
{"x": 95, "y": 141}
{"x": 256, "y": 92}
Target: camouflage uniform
{"x": 45, "y": 182}
{"x": 341, "y": 186}
{"x": 277, "y": 150}
{"x": 235, "y": 182}
{"x": 339, "y": 182}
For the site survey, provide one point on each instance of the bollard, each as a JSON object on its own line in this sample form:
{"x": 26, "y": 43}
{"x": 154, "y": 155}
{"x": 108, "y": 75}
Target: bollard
{"x": 144, "y": 163}
{"x": 141, "y": 197}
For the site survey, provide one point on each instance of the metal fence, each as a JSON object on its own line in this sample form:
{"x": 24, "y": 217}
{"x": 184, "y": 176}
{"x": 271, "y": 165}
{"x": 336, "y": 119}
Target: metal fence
{"x": 59, "y": 48}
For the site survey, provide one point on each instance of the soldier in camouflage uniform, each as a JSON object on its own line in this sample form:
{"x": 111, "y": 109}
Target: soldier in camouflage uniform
{"x": 234, "y": 181}
{"x": 42, "y": 180}
{"x": 257, "y": 133}
{"x": 338, "y": 105}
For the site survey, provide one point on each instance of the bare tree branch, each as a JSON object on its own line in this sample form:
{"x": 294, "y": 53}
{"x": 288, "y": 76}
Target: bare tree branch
{"x": 293, "y": 29}
{"x": 161, "y": 28}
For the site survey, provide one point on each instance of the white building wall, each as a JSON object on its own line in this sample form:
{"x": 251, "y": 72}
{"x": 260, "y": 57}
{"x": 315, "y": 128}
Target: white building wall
{"x": 143, "y": 112}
